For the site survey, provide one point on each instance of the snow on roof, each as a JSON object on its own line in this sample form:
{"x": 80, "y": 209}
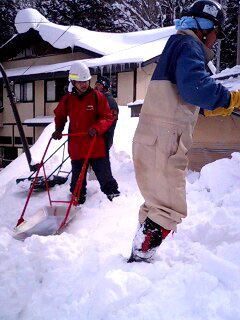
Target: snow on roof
{"x": 116, "y": 48}
{"x": 63, "y": 66}
{"x": 73, "y": 36}
{"x": 135, "y": 103}
{"x": 137, "y": 54}
{"x": 228, "y": 72}
{"x": 39, "y": 120}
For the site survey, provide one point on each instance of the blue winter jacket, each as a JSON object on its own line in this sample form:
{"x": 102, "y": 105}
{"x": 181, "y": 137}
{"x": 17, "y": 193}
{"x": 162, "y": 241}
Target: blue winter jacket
{"x": 183, "y": 62}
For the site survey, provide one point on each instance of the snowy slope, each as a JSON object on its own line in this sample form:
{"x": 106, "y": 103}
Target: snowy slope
{"x": 83, "y": 274}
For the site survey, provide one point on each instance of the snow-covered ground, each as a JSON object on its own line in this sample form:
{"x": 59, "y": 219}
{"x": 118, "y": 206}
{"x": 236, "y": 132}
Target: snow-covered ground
{"x": 83, "y": 274}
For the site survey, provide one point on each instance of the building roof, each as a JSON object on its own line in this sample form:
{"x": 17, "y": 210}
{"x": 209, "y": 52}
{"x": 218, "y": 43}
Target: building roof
{"x": 110, "y": 48}
{"x": 103, "y": 43}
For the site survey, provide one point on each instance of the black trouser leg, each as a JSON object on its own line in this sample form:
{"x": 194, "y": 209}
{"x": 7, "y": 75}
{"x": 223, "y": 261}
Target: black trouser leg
{"x": 76, "y": 169}
{"x": 102, "y": 170}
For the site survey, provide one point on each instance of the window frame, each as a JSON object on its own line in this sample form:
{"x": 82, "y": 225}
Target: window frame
{"x": 57, "y": 81}
{"x": 46, "y": 92}
{"x": 23, "y": 91}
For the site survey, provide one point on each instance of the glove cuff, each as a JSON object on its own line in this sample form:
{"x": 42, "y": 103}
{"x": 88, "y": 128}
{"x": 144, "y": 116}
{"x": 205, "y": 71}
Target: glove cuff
{"x": 219, "y": 112}
{"x": 235, "y": 99}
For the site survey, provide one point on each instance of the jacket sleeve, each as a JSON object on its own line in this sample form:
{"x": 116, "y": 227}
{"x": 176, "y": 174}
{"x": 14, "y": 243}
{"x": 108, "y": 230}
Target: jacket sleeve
{"x": 113, "y": 106}
{"x": 61, "y": 114}
{"x": 193, "y": 81}
{"x": 105, "y": 117}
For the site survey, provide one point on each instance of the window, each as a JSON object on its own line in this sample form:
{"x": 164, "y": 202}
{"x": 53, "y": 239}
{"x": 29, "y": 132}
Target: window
{"x": 8, "y": 154}
{"x": 51, "y": 91}
{"x": 18, "y": 140}
{"x": 25, "y": 53}
{"x": 24, "y": 91}
{"x": 5, "y": 140}
{"x": 55, "y": 89}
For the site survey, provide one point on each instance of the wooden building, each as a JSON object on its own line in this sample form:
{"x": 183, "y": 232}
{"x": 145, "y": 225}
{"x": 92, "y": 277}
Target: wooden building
{"x": 37, "y": 61}
{"x": 214, "y": 137}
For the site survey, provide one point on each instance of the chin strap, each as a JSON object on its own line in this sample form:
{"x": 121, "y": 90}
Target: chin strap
{"x": 204, "y": 37}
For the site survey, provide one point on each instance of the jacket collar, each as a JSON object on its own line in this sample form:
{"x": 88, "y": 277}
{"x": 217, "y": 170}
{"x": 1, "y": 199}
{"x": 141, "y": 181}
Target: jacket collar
{"x": 209, "y": 54}
{"x": 80, "y": 96}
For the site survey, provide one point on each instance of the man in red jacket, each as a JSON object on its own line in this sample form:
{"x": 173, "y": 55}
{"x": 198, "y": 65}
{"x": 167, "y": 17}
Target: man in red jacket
{"x": 89, "y": 112}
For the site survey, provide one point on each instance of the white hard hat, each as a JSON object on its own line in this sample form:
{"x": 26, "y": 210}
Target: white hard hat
{"x": 79, "y": 72}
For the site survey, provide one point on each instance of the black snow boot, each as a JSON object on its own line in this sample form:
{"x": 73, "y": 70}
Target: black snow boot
{"x": 112, "y": 195}
{"x": 82, "y": 199}
{"x": 148, "y": 238}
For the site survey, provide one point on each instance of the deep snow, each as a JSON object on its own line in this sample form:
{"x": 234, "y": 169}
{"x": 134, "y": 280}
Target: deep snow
{"x": 83, "y": 274}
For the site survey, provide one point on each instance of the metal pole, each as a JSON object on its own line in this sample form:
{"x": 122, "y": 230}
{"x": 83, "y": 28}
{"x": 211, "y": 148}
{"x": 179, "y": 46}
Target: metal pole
{"x": 218, "y": 56}
{"x": 238, "y": 38}
{"x": 17, "y": 118}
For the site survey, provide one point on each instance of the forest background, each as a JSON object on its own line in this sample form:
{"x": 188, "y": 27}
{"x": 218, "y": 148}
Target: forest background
{"x": 119, "y": 16}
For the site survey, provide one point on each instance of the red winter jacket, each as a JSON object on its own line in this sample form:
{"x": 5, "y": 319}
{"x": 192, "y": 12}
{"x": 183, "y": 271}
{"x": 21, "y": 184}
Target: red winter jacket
{"x": 89, "y": 110}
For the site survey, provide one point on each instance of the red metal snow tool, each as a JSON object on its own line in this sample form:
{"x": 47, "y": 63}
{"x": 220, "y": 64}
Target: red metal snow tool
{"x": 52, "y": 219}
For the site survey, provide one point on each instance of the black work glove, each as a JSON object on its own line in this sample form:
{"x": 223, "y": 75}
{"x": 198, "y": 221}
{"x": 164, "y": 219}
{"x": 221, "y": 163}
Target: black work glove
{"x": 57, "y": 135}
{"x": 92, "y": 132}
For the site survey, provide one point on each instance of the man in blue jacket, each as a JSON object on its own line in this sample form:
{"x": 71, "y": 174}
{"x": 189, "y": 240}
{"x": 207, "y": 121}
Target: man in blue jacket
{"x": 179, "y": 87}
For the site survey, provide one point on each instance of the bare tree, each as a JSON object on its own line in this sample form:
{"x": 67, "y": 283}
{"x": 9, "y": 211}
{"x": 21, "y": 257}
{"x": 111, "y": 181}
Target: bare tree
{"x": 148, "y": 14}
